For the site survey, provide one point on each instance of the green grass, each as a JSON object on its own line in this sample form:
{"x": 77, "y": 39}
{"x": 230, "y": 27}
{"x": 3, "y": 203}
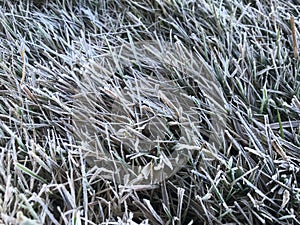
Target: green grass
{"x": 220, "y": 79}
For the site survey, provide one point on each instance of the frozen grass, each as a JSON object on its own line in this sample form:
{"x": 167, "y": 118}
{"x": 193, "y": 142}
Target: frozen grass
{"x": 56, "y": 52}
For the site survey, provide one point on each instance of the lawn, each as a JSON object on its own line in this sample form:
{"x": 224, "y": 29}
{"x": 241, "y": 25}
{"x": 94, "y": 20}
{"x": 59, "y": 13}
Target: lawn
{"x": 174, "y": 112}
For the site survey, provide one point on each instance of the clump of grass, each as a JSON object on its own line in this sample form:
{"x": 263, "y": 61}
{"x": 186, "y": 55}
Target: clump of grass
{"x": 54, "y": 53}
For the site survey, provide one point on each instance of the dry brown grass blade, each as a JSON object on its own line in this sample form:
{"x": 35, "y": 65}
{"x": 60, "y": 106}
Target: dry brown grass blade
{"x": 294, "y": 37}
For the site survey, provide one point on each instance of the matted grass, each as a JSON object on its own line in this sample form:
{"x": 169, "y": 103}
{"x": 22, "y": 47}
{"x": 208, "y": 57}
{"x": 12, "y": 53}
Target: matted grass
{"x": 54, "y": 53}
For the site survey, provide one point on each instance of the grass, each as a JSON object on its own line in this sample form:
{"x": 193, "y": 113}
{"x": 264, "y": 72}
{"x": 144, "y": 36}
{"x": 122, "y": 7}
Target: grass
{"x": 149, "y": 112}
